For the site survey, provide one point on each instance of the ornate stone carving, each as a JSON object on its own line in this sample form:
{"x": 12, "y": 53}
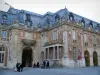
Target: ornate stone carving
{"x": 28, "y": 42}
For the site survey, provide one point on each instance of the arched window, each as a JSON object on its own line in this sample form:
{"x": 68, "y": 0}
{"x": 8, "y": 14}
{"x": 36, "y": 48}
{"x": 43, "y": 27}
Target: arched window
{"x": 2, "y": 48}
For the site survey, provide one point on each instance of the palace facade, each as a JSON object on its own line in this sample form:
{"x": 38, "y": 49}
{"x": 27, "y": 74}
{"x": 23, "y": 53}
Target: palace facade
{"x": 63, "y": 38}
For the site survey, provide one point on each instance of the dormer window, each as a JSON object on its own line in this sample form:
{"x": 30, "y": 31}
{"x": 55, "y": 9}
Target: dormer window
{"x": 83, "y": 22}
{"x": 90, "y": 24}
{"x": 28, "y": 23}
{"x": 28, "y": 17}
{"x": 97, "y": 26}
{"x": 4, "y": 19}
{"x": 71, "y": 17}
{"x": 57, "y": 17}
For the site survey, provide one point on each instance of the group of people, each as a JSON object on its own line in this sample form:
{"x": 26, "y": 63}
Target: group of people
{"x": 45, "y": 64}
{"x": 19, "y": 67}
{"x": 36, "y": 65}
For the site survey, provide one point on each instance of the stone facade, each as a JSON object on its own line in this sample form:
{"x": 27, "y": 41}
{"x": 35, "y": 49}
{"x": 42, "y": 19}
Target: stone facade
{"x": 61, "y": 38}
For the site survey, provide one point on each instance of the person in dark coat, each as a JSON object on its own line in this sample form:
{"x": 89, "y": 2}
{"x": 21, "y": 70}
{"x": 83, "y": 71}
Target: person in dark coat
{"x": 44, "y": 64}
{"x": 21, "y": 67}
{"x": 38, "y": 65}
{"x": 34, "y": 65}
{"x": 18, "y": 67}
{"x": 47, "y": 65}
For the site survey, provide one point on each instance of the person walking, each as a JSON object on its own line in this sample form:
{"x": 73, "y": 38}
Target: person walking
{"x": 47, "y": 65}
{"x": 38, "y": 64}
{"x": 44, "y": 64}
{"x": 18, "y": 67}
{"x": 21, "y": 67}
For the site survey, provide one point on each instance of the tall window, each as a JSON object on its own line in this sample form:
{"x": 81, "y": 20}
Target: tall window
{"x": 74, "y": 53}
{"x": 55, "y": 35}
{"x": 74, "y": 34}
{"x": 28, "y": 35}
{"x": 90, "y": 24}
{"x": 94, "y": 41}
{"x": 21, "y": 34}
{"x": 43, "y": 39}
{"x": 1, "y": 54}
{"x": 97, "y": 40}
{"x": 85, "y": 37}
{"x": 4, "y": 34}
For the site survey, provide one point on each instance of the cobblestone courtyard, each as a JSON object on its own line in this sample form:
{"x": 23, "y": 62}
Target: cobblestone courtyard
{"x": 64, "y": 71}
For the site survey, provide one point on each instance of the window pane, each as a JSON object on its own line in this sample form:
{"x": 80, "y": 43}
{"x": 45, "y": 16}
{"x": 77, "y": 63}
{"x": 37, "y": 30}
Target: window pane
{"x": 4, "y": 33}
{"x": 85, "y": 37}
{"x": 74, "y": 34}
{"x": 55, "y": 35}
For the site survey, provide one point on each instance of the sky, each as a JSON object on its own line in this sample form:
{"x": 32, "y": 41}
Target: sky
{"x": 87, "y": 8}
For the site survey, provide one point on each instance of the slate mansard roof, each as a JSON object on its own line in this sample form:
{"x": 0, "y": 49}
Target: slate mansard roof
{"x": 48, "y": 19}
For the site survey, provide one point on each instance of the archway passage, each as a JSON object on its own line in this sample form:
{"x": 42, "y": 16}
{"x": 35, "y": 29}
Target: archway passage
{"x": 95, "y": 58}
{"x": 27, "y": 57}
{"x": 87, "y": 58}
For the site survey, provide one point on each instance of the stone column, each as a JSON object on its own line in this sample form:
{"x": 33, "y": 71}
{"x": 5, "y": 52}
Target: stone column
{"x": 83, "y": 49}
{"x": 53, "y": 52}
{"x": 48, "y": 53}
{"x": 65, "y": 59}
{"x": 45, "y": 53}
{"x": 57, "y": 52}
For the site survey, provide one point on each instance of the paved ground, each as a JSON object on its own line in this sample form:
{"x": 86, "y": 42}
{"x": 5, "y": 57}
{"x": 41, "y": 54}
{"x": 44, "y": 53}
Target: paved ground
{"x": 64, "y": 71}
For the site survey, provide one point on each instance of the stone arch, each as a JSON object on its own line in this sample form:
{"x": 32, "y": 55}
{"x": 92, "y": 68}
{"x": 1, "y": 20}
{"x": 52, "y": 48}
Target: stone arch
{"x": 95, "y": 58}
{"x": 27, "y": 56}
{"x": 87, "y": 58}
{"x": 3, "y": 55}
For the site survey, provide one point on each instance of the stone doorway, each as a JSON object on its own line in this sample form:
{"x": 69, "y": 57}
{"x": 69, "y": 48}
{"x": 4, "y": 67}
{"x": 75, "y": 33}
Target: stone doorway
{"x": 87, "y": 58}
{"x": 95, "y": 58}
{"x": 27, "y": 57}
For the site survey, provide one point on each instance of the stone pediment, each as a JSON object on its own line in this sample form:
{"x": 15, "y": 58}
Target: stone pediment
{"x": 28, "y": 42}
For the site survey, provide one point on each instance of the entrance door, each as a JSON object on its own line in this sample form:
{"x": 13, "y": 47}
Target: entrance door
{"x": 95, "y": 58}
{"x": 27, "y": 57}
{"x": 87, "y": 58}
